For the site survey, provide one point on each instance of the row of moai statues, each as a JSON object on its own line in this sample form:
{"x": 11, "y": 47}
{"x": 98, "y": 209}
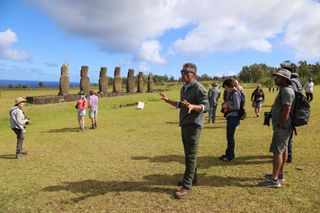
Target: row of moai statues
{"x": 103, "y": 81}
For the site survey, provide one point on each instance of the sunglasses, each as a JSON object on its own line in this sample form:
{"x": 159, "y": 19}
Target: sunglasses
{"x": 185, "y": 72}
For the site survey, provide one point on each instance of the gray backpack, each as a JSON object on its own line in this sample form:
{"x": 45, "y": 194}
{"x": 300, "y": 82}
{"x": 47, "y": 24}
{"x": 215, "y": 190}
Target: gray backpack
{"x": 301, "y": 110}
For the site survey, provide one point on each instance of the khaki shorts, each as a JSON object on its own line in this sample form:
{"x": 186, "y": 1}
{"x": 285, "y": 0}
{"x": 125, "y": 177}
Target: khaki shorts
{"x": 280, "y": 140}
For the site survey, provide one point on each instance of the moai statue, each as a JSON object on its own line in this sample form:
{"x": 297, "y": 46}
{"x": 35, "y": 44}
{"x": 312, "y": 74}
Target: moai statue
{"x": 130, "y": 81}
{"x": 117, "y": 81}
{"x": 84, "y": 81}
{"x": 103, "y": 81}
{"x": 64, "y": 80}
{"x": 140, "y": 83}
{"x": 150, "y": 83}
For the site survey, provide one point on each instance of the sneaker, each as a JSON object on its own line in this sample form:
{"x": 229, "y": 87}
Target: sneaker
{"x": 280, "y": 177}
{"x": 194, "y": 182}
{"x": 289, "y": 160}
{"x": 24, "y": 152}
{"x": 92, "y": 127}
{"x": 225, "y": 158}
{"x": 271, "y": 183}
{"x": 80, "y": 130}
{"x": 182, "y": 193}
{"x": 19, "y": 156}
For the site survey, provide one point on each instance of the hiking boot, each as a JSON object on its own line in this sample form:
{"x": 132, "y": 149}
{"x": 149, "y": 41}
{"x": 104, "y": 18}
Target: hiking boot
{"x": 182, "y": 193}
{"x": 194, "y": 182}
{"x": 271, "y": 183}
{"x": 280, "y": 177}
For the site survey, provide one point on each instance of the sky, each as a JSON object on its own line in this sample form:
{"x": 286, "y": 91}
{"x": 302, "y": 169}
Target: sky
{"x": 153, "y": 36}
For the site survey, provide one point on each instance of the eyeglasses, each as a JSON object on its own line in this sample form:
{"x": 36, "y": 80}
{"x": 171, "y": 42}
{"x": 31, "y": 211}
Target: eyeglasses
{"x": 185, "y": 72}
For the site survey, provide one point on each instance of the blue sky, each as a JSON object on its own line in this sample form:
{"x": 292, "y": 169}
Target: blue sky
{"x": 158, "y": 36}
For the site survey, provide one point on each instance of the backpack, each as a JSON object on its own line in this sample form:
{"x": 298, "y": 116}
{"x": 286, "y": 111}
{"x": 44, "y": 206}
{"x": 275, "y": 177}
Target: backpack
{"x": 301, "y": 110}
{"x": 242, "y": 111}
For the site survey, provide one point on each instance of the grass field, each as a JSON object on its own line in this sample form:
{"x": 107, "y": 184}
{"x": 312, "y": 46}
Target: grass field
{"x": 132, "y": 161}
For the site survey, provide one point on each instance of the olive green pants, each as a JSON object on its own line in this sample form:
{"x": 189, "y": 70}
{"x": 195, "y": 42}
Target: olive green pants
{"x": 190, "y": 138}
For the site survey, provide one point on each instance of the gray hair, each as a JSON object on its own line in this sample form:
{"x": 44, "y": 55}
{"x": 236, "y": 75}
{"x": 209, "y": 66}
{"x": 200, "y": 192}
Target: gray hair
{"x": 192, "y": 66}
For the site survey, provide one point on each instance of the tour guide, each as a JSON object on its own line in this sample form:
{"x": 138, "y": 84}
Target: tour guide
{"x": 194, "y": 103}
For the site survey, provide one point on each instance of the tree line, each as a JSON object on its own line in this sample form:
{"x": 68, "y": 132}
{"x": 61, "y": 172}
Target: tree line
{"x": 260, "y": 73}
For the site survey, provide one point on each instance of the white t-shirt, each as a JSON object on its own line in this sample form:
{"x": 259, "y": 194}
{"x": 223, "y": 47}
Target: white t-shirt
{"x": 309, "y": 87}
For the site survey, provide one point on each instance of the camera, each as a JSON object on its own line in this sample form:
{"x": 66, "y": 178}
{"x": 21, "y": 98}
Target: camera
{"x": 267, "y": 118}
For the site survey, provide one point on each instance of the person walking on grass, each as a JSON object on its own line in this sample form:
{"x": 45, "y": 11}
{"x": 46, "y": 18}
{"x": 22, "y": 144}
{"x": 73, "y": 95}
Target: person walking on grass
{"x": 257, "y": 98}
{"x": 17, "y": 124}
{"x": 231, "y": 109}
{"x": 213, "y": 96}
{"x": 81, "y": 110}
{"x": 282, "y": 128}
{"x": 193, "y": 104}
{"x": 308, "y": 87}
{"x": 93, "y": 109}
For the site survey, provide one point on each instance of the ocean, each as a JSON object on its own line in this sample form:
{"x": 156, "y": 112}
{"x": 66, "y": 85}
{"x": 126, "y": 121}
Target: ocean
{"x": 33, "y": 84}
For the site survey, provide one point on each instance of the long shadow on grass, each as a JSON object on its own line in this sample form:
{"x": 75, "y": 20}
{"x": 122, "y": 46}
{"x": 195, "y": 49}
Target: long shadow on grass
{"x": 91, "y": 188}
{"x": 157, "y": 183}
{"x": 8, "y": 156}
{"x": 205, "y": 162}
{"x": 67, "y": 129}
{"x": 203, "y": 180}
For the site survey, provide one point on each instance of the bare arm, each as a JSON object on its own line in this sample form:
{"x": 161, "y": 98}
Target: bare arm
{"x": 164, "y": 97}
{"x": 284, "y": 114}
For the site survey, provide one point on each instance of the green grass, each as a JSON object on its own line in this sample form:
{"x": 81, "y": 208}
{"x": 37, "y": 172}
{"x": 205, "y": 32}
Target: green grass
{"x": 132, "y": 161}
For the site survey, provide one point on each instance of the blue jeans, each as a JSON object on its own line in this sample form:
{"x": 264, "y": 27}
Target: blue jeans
{"x": 232, "y": 123}
{"x": 290, "y": 147}
{"x": 212, "y": 112}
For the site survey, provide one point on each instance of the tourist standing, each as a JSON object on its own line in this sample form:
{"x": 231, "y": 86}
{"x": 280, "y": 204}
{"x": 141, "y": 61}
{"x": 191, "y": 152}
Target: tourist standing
{"x": 231, "y": 109}
{"x": 93, "y": 107}
{"x": 17, "y": 124}
{"x": 81, "y": 110}
{"x": 308, "y": 87}
{"x": 213, "y": 97}
{"x": 193, "y": 104}
{"x": 282, "y": 128}
{"x": 298, "y": 87}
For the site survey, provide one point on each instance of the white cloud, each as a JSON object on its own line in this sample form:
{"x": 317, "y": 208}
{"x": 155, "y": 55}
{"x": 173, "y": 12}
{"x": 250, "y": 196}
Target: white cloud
{"x": 303, "y": 31}
{"x": 150, "y": 51}
{"x": 7, "y": 38}
{"x": 143, "y": 67}
{"x": 138, "y": 27}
